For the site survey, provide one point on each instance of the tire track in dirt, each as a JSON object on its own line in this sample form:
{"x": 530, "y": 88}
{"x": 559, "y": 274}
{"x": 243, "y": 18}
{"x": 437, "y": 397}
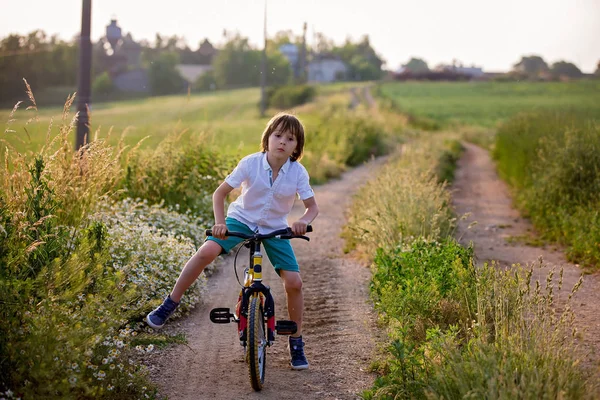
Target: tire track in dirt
{"x": 478, "y": 190}
{"x": 339, "y": 323}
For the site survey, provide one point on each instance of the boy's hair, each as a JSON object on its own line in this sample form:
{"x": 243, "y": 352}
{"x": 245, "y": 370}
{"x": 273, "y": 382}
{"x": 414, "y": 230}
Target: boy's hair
{"x": 285, "y": 122}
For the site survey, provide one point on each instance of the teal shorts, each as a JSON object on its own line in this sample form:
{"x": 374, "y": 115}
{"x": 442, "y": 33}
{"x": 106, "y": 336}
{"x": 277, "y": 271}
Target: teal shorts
{"x": 280, "y": 251}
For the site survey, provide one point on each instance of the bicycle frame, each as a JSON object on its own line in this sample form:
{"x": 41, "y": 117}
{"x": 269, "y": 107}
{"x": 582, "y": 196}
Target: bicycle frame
{"x": 253, "y": 286}
{"x": 255, "y": 307}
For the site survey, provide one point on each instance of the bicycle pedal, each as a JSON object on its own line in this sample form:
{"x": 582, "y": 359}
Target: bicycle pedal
{"x": 284, "y": 327}
{"x": 221, "y": 316}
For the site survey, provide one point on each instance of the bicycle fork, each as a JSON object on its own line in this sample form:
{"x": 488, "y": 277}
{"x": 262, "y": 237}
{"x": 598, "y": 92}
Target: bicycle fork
{"x": 253, "y": 286}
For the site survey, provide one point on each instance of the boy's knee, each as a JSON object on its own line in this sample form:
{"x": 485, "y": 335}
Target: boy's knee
{"x": 209, "y": 251}
{"x": 293, "y": 283}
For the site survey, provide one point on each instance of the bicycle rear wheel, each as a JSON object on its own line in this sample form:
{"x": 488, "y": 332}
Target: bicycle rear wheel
{"x": 257, "y": 343}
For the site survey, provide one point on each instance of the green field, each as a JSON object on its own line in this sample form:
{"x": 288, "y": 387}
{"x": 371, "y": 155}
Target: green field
{"x": 229, "y": 119}
{"x": 489, "y": 103}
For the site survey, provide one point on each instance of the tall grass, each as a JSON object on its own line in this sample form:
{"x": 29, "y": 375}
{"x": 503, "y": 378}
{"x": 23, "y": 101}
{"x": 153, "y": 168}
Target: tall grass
{"x": 553, "y": 160}
{"x": 80, "y": 266}
{"x": 402, "y": 202}
{"x": 456, "y": 331}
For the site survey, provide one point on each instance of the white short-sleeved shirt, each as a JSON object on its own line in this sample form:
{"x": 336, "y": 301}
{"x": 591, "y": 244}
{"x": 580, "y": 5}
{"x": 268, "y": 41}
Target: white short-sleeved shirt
{"x": 264, "y": 205}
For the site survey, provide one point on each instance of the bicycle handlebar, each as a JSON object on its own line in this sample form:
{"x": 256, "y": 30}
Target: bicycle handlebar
{"x": 281, "y": 233}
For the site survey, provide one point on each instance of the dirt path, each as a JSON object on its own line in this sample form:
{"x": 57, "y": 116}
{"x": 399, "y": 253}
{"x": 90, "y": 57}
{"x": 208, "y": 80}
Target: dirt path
{"x": 338, "y": 322}
{"x": 479, "y": 191}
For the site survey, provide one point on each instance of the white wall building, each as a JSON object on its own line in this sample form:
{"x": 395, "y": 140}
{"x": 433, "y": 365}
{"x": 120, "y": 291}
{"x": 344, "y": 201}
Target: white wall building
{"x": 327, "y": 70}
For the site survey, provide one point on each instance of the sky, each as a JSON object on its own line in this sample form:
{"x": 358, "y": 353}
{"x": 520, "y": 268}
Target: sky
{"x": 493, "y": 35}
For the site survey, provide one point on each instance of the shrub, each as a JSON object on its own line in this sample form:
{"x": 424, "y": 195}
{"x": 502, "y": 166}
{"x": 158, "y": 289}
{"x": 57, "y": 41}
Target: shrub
{"x": 342, "y": 139}
{"x": 148, "y": 258}
{"x": 103, "y": 85}
{"x": 284, "y": 97}
{"x": 179, "y": 175}
{"x": 429, "y": 285}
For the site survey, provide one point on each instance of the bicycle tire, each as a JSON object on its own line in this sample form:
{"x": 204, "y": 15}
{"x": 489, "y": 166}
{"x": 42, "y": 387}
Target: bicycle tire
{"x": 257, "y": 343}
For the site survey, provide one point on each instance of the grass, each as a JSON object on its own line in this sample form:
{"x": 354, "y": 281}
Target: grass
{"x": 487, "y": 104}
{"x": 83, "y": 262}
{"x": 456, "y": 331}
{"x": 229, "y": 120}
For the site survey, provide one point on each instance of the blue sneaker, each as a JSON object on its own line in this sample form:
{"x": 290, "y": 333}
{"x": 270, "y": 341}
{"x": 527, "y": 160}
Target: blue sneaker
{"x": 297, "y": 353}
{"x": 157, "y": 318}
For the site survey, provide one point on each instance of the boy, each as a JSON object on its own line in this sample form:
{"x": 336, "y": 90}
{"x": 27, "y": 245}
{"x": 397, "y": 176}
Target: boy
{"x": 269, "y": 181}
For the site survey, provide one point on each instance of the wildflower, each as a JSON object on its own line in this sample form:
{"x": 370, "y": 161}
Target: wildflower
{"x": 101, "y": 375}
{"x": 73, "y": 380}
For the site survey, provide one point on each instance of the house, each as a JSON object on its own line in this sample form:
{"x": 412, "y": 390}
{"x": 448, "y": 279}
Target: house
{"x": 327, "y": 69}
{"x": 291, "y": 52}
{"x": 122, "y": 60}
{"x": 191, "y": 72}
{"x": 206, "y": 52}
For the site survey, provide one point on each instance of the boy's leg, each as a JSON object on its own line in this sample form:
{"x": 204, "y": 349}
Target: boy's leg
{"x": 192, "y": 269}
{"x": 295, "y": 302}
{"x": 295, "y": 299}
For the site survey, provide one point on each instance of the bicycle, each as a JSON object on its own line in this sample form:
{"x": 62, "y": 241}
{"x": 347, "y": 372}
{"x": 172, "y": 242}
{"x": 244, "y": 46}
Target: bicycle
{"x": 255, "y": 308}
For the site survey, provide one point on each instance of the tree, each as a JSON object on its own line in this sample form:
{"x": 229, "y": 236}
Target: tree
{"x": 533, "y": 66}
{"x": 163, "y": 76}
{"x": 43, "y": 61}
{"x": 362, "y": 59}
{"x": 564, "y": 68}
{"x": 416, "y": 65}
{"x": 238, "y": 64}
{"x": 597, "y": 73}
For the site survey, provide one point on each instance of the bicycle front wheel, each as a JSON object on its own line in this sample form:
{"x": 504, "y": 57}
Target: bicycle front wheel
{"x": 257, "y": 343}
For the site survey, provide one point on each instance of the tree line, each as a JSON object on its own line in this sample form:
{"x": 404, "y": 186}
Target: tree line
{"x": 46, "y": 61}
{"x": 528, "y": 67}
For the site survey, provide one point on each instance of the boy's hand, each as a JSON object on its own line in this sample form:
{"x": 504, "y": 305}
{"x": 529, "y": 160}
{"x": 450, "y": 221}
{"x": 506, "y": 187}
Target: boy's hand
{"x": 299, "y": 227}
{"x": 219, "y": 231}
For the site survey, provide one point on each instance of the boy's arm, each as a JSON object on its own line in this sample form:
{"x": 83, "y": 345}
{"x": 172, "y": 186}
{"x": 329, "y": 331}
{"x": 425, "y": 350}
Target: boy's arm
{"x": 311, "y": 212}
{"x": 219, "y": 210}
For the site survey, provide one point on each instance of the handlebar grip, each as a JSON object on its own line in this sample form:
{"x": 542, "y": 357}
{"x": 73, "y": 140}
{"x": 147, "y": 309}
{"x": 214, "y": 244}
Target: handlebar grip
{"x": 309, "y": 228}
{"x": 208, "y": 232}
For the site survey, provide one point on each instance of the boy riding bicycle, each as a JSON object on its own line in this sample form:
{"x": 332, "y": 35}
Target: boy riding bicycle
{"x": 270, "y": 181}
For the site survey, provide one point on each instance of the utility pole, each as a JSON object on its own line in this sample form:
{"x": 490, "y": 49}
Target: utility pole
{"x": 263, "y": 70}
{"x": 85, "y": 66}
{"x": 302, "y": 72}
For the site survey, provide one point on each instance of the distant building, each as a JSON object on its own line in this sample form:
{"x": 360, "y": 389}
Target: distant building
{"x": 472, "y": 72}
{"x": 327, "y": 69}
{"x": 122, "y": 60}
{"x": 291, "y": 52}
{"x": 206, "y": 53}
{"x": 191, "y": 72}
{"x": 135, "y": 80}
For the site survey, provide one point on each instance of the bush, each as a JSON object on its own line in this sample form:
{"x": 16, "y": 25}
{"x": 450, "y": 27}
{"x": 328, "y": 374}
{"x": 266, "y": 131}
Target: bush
{"x": 429, "y": 285}
{"x": 284, "y": 97}
{"x": 205, "y": 82}
{"x": 148, "y": 257}
{"x": 342, "y": 139}
{"x": 63, "y": 330}
{"x": 103, "y": 85}
{"x": 182, "y": 176}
